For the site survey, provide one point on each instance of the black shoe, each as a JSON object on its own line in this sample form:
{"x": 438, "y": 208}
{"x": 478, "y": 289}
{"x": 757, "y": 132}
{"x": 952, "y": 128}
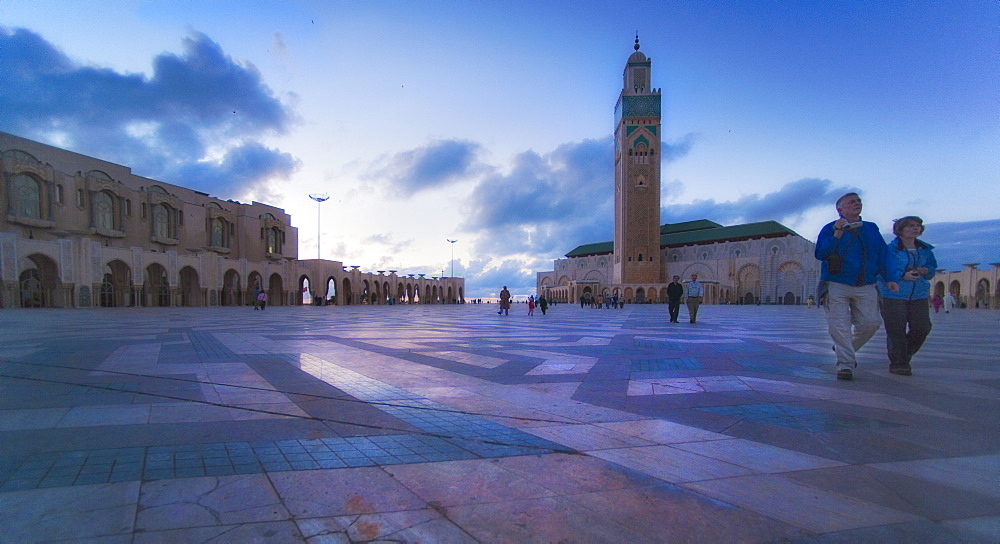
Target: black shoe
{"x": 901, "y": 370}
{"x": 845, "y": 374}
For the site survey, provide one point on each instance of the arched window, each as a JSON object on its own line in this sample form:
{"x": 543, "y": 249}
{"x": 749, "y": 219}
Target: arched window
{"x": 219, "y": 233}
{"x": 273, "y": 241}
{"x": 161, "y": 221}
{"x": 103, "y": 211}
{"x": 28, "y": 196}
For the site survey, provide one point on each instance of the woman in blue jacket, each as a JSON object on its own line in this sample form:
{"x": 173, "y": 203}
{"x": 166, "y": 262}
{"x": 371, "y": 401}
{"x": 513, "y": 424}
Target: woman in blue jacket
{"x": 906, "y": 312}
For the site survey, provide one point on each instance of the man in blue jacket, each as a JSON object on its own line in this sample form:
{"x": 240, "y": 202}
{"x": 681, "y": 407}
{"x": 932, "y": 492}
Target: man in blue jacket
{"x": 854, "y": 256}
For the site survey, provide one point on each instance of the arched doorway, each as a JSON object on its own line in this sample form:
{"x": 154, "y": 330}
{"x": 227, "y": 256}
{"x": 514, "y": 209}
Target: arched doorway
{"x": 190, "y": 290}
{"x": 155, "y": 287}
{"x": 116, "y": 285}
{"x": 640, "y": 295}
{"x": 255, "y": 284}
{"x": 232, "y": 293}
{"x": 39, "y": 283}
{"x": 275, "y": 291}
{"x": 748, "y": 284}
{"x": 788, "y": 299}
{"x": 331, "y": 290}
{"x": 305, "y": 289}
{"x": 345, "y": 292}
{"x": 983, "y": 293}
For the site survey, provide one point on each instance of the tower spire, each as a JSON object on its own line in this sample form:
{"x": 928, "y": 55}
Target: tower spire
{"x": 636, "y": 46}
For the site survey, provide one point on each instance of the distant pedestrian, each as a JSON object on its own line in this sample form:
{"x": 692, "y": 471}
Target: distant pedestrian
{"x": 531, "y": 305}
{"x": 262, "y": 299}
{"x": 949, "y": 302}
{"x": 504, "y": 301}
{"x": 674, "y": 293}
{"x": 256, "y": 293}
{"x": 695, "y": 294}
{"x": 937, "y": 302}
{"x": 543, "y": 304}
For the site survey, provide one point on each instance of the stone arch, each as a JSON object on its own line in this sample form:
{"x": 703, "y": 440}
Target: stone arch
{"x": 983, "y": 293}
{"x": 345, "y": 292}
{"x": 116, "y": 285}
{"x": 189, "y": 289}
{"x": 275, "y": 290}
{"x": 748, "y": 284}
{"x": 255, "y": 284}
{"x": 955, "y": 289}
{"x": 788, "y": 299}
{"x": 306, "y": 291}
{"x": 331, "y": 290}
{"x": 156, "y": 286}
{"x": 640, "y": 295}
{"x": 939, "y": 288}
{"x": 790, "y": 277}
{"x": 232, "y": 291}
{"x": 39, "y": 283}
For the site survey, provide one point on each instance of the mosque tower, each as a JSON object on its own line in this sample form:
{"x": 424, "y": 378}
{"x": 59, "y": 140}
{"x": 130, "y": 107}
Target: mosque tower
{"x": 637, "y": 176}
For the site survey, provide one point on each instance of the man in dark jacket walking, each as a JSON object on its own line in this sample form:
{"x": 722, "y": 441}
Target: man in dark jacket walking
{"x": 674, "y": 293}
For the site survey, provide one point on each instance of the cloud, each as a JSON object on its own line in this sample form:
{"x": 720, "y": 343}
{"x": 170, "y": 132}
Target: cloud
{"x": 427, "y": 167}
{"x": 956, "y": 244}
{"x": 784, "y": 205}
{"x": 546, "y": 203}
{"x": 247, "y": 167}
{"x": 195, "y": 106}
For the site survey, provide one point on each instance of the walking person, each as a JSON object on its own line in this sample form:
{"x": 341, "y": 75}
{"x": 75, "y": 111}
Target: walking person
{"x": 531, "y": 305}
{"x": 543, "y": 304}
{"x": 937, "y": 302}
{"x": 949, "y": 302}
{"x": 262, "y": 299}
{"x": 504, "y": 301}
{"x": 853, "y": 255}
{"x": 905, "y": 312}
{"x": 695, "y": 293}
{"x": 674, "y": 293}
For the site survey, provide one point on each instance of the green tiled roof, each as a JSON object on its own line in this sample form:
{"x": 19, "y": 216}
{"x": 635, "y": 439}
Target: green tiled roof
{"x": 764, "y": 229}
{"x": 701, "y": 224}
{"x": 701, "y": 231}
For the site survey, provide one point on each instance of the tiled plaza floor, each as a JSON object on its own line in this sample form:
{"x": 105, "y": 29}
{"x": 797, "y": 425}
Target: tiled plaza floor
{"x": 454, "y": 424}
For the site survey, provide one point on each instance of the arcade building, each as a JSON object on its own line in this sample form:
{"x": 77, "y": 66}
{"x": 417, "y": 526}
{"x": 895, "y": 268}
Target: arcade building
{"x": 80, "y": 232}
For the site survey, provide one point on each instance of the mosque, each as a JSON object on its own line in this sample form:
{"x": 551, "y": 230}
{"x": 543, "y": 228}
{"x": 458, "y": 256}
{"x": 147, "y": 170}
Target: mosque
{"x": 81, "y": 232}
{"x": 755, "y": 263}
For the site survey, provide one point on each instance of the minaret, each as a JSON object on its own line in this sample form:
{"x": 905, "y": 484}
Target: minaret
{"x": 637, "y": 176}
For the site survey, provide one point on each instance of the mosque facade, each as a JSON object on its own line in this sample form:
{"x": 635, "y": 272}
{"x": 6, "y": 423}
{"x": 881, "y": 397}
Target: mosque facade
{"x": 81, "y": 232}
{"x": 756, "y": 263}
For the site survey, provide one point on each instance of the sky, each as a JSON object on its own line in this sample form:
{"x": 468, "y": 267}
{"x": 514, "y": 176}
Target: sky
{"x": 490, "y": 122}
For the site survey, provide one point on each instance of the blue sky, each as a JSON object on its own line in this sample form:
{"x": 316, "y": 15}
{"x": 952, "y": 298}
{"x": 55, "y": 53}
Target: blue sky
{"x": 490, "y": 122}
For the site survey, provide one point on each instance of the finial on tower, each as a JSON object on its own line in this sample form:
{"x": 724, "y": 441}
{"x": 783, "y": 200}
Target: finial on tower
{"x": 636, "y": 46}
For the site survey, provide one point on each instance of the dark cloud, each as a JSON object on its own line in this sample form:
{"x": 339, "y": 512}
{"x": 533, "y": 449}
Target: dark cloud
{"x": 546, "y": 202}
{"x": 435, "y": 165}
{"x": 158, "y": 125}
{"x": 957, "y": 244}
{"x": 784, "y": 205}
{"x": 246, "y": 167}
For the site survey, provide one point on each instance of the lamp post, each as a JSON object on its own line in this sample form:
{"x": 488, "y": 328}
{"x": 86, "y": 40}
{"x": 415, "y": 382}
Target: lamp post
{"x": 452, "y": 257}
{"x": 319, "y": 198}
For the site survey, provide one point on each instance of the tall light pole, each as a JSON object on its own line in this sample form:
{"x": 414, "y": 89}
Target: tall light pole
{"x": 319, "y": 198}
{"x": 453, "y": 257}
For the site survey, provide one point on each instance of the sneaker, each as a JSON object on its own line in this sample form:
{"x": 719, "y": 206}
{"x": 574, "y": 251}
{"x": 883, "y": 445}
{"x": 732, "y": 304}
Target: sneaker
{"x": 845, "y": 374}
{"x": 901, "y": 370}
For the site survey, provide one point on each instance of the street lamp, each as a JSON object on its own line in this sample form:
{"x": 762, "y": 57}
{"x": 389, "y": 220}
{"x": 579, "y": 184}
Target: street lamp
{"x": 319, "y": 198}
{"x": 452, "y": 257}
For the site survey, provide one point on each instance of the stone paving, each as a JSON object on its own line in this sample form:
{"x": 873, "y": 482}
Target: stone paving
{"x": 454, "y": 424}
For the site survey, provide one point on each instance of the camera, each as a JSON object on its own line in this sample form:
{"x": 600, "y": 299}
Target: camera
{"x": 854, "y": 225}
